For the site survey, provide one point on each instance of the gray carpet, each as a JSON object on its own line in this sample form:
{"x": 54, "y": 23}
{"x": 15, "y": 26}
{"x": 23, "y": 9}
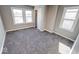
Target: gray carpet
{"x": 33, "y": 41}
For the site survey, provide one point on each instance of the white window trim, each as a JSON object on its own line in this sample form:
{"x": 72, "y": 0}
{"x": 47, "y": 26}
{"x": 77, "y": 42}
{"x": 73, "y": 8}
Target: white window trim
{"x": 13, "y": 15}
{"x": 62, "y": 19}
{"x": 23, "y": 13}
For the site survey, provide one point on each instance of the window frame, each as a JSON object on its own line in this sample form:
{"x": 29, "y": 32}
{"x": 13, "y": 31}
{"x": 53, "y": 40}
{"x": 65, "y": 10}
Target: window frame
{"x": 75, "y": 21}
{"x": 25, "y": 15}
{"x": 16, "y": 16}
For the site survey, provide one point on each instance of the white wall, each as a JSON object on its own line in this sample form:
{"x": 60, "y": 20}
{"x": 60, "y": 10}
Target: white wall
{"x": 51, "y": 12}
{"x": 71, "y": 35}
{"x": 75, "y": 47}
{"x": 8, "y": 19}
{"x": 2, "y": 35}
{"x": 41, "y": 17}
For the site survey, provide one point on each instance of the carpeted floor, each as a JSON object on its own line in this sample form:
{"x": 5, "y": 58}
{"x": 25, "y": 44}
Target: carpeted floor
{"x": 33, "y": 41}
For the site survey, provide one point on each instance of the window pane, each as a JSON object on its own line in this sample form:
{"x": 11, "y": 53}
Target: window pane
{"x": 67, "y": 24}
{"x": 17, "y": 12}
{"x": 28, "y": 16}
{"x": 72, "y": 10}
{"x": 28, "y": 13}
{"x": 28, "y": 19}
{"x": 18, "y": 20}
{"x": 71, "y": 13}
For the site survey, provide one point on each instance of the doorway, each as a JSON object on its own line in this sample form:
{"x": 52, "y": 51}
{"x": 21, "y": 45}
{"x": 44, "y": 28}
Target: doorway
{"x": 35, "y": 18}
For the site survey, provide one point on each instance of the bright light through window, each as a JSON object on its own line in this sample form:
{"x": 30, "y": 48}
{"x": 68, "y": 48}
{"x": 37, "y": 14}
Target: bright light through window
{"x": 28, "y": 16}
{"x": 67, "y": 24}
{"x": 18, "y": 20}
{"x": 69, "y": 18}
{"x": 17, "y": 14}
{"x": 71, "y": 13}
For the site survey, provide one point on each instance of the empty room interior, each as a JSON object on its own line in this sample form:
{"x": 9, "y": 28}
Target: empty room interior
{"x": 39, "y": 29}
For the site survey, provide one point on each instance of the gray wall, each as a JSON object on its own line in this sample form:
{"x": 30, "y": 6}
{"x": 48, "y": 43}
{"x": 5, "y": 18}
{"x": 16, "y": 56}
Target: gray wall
{"x": 2, "y": 35}
{"x": 71, "y": 35}
{"x": 8, "y": 20}
{"x": 51, "y": 12}
{"x": 41, "y": 10}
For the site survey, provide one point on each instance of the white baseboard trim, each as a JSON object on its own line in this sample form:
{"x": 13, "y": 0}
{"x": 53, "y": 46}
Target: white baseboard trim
{"x": 48, "y": 31}
{"x": 3, "y": 43}
{"x": 59, "y": 34}
{"x": 18, "y": 29}
{"x": 64, "y": 36}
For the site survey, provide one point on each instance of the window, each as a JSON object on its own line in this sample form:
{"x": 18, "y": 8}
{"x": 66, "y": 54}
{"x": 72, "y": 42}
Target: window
{"x": 17, "y": 16}
{"x": 28, "y": 14}
{"x": 21, "y": 15}
{"x": 69, "y": 18}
